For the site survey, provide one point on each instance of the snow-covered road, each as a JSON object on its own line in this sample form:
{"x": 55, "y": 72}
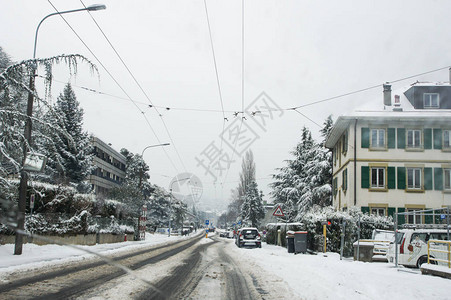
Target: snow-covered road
{"x": 225, "y": 271}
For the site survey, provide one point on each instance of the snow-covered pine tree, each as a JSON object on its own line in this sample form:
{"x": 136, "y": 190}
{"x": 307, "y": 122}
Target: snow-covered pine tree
{"x": 14, "y": 90}
{"x": 158, "y": 208}
{"x": 252, "y": 210}
{"x": 247, "y": 174}
{"x": 70, "y": 151}
{"x": 135, "y": 188}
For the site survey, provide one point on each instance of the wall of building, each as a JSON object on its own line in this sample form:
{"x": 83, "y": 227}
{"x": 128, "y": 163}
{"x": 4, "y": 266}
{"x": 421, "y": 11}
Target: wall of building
{"x": 393, "y": 158}
{"x": 110, "y": 167}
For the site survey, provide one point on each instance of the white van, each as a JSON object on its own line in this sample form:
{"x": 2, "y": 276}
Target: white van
{"x": 412, "y": 246}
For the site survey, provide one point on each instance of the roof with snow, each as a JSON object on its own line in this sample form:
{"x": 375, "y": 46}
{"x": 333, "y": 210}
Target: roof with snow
{"x": 402, "y": 109}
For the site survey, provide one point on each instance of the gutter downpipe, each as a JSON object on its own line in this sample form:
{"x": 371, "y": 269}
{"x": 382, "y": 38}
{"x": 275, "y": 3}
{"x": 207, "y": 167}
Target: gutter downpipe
{"x": 355, "y": 162}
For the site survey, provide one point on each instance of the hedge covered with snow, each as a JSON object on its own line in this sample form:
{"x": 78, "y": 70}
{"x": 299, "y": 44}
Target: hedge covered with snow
{"x": 312, "y": 223}
{"x": 60, "y": 209}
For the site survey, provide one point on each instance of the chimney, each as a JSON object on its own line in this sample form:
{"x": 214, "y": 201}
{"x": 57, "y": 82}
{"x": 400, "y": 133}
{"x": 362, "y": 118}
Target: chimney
{"x": 387, "y": 94}
{"x": 397, "y": 104}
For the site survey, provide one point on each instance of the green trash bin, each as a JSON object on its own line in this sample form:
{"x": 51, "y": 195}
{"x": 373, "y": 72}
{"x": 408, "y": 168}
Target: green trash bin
{"x": 290, "y": 244}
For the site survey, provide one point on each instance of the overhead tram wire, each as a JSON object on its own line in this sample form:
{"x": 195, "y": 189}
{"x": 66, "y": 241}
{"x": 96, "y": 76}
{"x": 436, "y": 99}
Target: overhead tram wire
{"x": 114, "y": 79}
{"x": 217, "y": 81}
{"x": 242, "y": 56}
{"x": 242, "y": 88}
{"x": 142, "y": 90}
{"x": 238, "y": 112}
{"x": 263, "y": 110}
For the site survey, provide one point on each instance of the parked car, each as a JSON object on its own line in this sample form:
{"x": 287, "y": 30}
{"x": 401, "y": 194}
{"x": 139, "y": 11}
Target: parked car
{"x": 162, "y": 230}
{"x": 412, "y": 246}
{"x": 248, "y": 236}
{"x": 381, "y": 239}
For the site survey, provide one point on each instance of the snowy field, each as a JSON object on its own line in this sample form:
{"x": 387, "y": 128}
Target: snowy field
{"x": 306, "y": 276}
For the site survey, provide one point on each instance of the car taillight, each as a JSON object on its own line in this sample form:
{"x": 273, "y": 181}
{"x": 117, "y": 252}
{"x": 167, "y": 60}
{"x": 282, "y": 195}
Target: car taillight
{"x": 258, "y": 236}
{"x": 401, "y": 249}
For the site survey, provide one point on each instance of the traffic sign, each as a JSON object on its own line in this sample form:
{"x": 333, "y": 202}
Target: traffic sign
{"x": 442, "y": 216}
{"x": 278, "y": 212}
{"x": 207, "y": 222}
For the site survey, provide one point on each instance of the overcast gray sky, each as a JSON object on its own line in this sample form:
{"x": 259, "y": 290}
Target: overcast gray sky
{"x": 296, "y": 52}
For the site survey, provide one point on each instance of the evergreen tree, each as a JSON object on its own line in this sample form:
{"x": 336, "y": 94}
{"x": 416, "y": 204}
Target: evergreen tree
{"x": 252, "y": 210}
{"x": 306, "y": 179}
{"x": 158, "y": 208}
{"x": 135, "y": 188}
{"x": 70, "y": 151}
{"x": 247, "y": 174}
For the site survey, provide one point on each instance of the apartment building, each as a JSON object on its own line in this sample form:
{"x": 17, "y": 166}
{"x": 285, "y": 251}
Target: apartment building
{"x": 110, "y": 167}
{"x": 396, "y": 157}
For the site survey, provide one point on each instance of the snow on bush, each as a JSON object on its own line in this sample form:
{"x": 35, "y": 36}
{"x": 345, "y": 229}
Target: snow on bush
{"x": 312, "y": 223}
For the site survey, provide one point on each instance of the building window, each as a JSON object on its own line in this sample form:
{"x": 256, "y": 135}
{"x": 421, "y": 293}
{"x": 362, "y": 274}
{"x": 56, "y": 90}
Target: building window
{"x": 378, "y": 138}
{"x": 378, "y": 211}
{"x": 344, "y": 181}
{"x": 447, "y": 178}
{"x": 446, "y": 138}
{"x": 344, "y": 143}
{"x": 414, "y": 218}
{"x": 414, "y": 138}
{"x": 414, "y": 178}
{"x": 431, "y": 100}
{"x": 377, "y": 177}
{"x": 335, "y": 186}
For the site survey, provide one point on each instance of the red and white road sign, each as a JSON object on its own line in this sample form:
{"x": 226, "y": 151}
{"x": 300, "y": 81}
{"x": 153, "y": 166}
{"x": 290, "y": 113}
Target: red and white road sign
{"x": 278, "y": 212}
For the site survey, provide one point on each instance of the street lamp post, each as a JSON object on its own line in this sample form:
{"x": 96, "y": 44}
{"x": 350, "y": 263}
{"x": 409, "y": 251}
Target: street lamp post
{"x": 27, "y": 134}
{"x": 142, "y": 156}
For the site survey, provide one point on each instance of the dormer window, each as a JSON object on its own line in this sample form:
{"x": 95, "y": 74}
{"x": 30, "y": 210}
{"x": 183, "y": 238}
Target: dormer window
{"x": 431, "y": 100}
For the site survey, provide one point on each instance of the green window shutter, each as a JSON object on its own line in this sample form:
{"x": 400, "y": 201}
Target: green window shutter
{"x": 428, "y": 178}
{"x": 401, "y": 218}
{"x": 391, "y": 212}
{"x": 365, "y": 177}
{"x": 346, "y": 179}
{"x": 365, "y": 209}
{"x": 438, "y": 179}
{"x": 365, "y": 138}
{"x": 391, "y": 177}
{"x": 401, "y": 138}
{"x": 346, "y": 143}
{"x": 437, "y": 138}
{"x": 427, "y": 138}
{"x": 335, "y": 186}
{"x": 428, "y": 219}
{"x": 401, "y": 178}
{"x": 391, "y": 136}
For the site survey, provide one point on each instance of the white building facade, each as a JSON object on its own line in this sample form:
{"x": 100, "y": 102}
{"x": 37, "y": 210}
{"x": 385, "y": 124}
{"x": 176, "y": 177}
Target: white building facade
{"x": 397, "y": 158}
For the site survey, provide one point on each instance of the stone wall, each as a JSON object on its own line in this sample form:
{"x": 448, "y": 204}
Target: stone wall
{"x": 79, "y": 239}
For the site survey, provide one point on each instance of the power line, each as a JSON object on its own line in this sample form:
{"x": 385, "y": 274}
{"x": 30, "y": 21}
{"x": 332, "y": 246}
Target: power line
{"x": 224, "y": 119}
{"x": 236, "y": 112}
{"x": 368, "y": 88}
{"x": 114, "y": 79}
{"x": 242, "y": 55}
{"x": 214, "y": 60}
{"x": 140, "y": 87}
